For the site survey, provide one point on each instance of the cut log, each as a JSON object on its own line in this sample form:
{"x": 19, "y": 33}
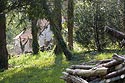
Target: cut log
{"x": 95, "y": 81}
{"x": 119, "y": 66}
{"x": 88, "y": 73}
{"x": 116, "y": 62}
{"x": 72, "y": 79}
{"x": 104, "y": 71}
{"x": 97, "y": 62}
{"x": 105, "y": 61}
{"x": 86, "y": 67}
{"x": 118, "y": 58}
{"x": 115, "y": 73}
{"x": 112, "y": 63}
{"x": 108, "y": 80}
{"x": 112, "y": 79}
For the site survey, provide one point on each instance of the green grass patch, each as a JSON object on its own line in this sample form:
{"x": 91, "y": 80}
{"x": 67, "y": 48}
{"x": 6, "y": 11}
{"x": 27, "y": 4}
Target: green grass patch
{"x": 103, "y": 56}
{"x": 42, "y": 68}
{"x": 47, "y": 67}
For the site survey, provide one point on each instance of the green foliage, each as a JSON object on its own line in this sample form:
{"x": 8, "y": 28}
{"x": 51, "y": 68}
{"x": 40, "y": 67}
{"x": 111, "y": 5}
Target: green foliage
{"x": 16, "y": 22}
{"x": 90, "y": 19}
{"x": 84, "y": 21}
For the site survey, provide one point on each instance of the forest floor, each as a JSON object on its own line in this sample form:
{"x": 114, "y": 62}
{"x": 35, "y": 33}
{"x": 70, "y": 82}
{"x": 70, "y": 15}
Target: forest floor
{"x": 46, "y": 67}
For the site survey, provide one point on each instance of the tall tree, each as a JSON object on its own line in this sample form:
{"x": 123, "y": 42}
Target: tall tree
{"x": 58, "y": 19}
{"x": 70, "y": 13}
{"x": 33, "y": 15}
{"x": 57, "y": 34}
{"x": 3, "y": 49}
{"x": 34, "y": 28}
{"x": 97, "y": 26}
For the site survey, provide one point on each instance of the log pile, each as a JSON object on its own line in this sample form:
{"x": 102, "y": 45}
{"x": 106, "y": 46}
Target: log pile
{"x": 104, "y": 71}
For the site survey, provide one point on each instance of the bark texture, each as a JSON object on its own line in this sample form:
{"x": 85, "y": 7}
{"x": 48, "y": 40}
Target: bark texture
{"x": 70, "y": 23}
{"x": 57, "y": 34}
{"x": 102, "y": 72}
{"x": 3, "y": 49}
{"x": 58, "y": 19}
{"x": 35, "y": 45}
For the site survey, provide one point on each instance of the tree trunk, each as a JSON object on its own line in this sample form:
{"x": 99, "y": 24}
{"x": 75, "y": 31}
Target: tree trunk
{"x": 96, "y": 28}
{"x": 97, "y": 41}
{"x": 58, "y": 20}
{"x": 70, "y": 23}
{"x": 3, "y": 49}
{"x": 57, "y": 34}
{"x": 60, "y": 40}
{"x": 33, "y": 16}
{"x": 35, "y": 45}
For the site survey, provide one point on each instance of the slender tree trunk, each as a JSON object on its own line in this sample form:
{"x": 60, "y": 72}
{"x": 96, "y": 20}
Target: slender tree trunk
{"x": 57, "y": 34}
{"x": 3, "y": 49}
{"x": 58, "y": 19}
{"x": 97, "y": 41}
{"x": 70, "y": 23}
{"x": 35, "y": 45}
{"x": 33, "y": 15}
{"x": 60, "y": 40}
{"x": 96, "y": 27}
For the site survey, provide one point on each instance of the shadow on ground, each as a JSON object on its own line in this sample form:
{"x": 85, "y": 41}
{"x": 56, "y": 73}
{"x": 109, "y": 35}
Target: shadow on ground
{"x": 50, "y": 74}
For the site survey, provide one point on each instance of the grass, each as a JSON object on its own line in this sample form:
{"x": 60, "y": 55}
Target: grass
{"x": 46, "y": 67}
{"x": 42, "y": 68}
{"x": 94, "y": 55}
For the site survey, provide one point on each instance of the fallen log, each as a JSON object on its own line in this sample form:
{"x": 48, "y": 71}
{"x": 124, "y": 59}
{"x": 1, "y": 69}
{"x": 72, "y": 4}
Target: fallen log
{"x": 72, "y": 79}
{"x": 112, "y": 79}
{"x": 108, "y": 80}
{"x": 96, "y": 62}
{"x": 112, "y": 63}
{"x": 86, "y": 67}
{"x": 115, "y": 33}
{"x": 90, "y": 63}
{"x": 119, "y": 66}
{"x": 115, "y": 73}
{"x": 95, "y": 81}
{"x": 105, "y": 61}
{"x": 88, "y": 73}
{"x": 105, "y": 71}
{"x": 118, "y": 58}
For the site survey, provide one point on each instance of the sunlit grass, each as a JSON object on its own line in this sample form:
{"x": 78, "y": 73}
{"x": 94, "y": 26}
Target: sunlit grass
{"x": 47, "y": 67}
{"x": 42, "y": 68}
{"x": 103, "y": 56}
{"x": 78, "y": 48}
{"x": 43, "y": 59}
